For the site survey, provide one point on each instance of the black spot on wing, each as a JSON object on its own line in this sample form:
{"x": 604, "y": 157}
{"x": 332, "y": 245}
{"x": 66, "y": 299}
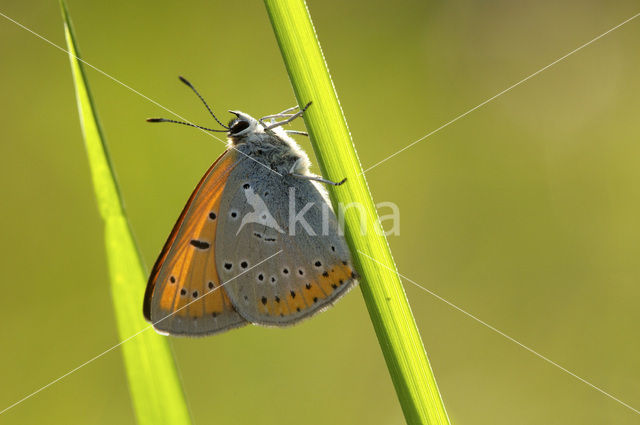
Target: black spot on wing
{"x": 199, "y": 244}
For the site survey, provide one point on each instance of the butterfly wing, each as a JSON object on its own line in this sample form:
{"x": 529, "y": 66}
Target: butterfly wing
{"x": 184, "y": 295}
{"x": 307, "y": 271}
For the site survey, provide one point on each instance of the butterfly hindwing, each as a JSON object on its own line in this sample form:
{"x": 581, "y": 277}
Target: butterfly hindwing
{"x": 276, "y": 275}
{"x": 184, "y": 294}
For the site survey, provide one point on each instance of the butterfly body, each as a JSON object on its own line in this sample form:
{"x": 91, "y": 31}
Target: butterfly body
{"x": 273, "y": 148}
{"x": 256, "y": 243}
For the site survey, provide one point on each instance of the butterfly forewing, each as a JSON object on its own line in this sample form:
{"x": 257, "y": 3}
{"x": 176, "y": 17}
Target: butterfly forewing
{"x": 184, "y": 294}
{"x": 277, "y": 275}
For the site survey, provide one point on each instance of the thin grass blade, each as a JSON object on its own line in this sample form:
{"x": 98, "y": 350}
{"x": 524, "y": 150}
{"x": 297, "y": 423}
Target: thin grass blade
{"x": 381, "y": 287}
{"x": 153, "y": 381}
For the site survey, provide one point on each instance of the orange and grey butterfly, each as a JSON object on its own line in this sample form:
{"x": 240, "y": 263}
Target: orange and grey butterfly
{"x": 211, "y": 275}
{"x": 217, "y": 270}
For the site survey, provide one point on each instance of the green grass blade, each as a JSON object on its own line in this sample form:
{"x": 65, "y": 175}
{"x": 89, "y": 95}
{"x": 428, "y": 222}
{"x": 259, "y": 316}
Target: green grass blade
{"x": 153, "y": 381}
{"x": 381, "y": 287}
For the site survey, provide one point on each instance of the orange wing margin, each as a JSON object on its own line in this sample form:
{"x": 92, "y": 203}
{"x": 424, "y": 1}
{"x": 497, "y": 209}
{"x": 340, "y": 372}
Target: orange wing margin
{"x": 211, "y": 187}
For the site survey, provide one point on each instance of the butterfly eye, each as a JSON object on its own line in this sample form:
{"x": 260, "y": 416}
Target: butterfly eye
{"x": 238, "y": 125}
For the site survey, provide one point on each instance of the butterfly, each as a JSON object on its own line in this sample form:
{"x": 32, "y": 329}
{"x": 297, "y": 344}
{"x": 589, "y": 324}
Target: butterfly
{"x": 257, "y": 241}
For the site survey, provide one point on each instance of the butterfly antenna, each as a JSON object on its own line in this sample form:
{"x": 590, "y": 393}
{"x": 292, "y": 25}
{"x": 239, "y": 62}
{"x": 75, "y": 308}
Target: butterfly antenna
{"x": 184, "y": 80}
{"x": 183, "y": 123}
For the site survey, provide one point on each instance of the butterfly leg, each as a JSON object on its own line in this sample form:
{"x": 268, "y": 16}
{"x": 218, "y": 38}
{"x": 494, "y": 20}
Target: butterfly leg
{"x": 284, "y": 114}
{"x": 319, "y": 179}
{"x": 272, "y": 120}
{"x": 286, "y": 111}
{"x": 301, "y": 133}
{"x": 274, "y": 116}
{"x": 312, "y": 177}
{"x": 290, "y": 118}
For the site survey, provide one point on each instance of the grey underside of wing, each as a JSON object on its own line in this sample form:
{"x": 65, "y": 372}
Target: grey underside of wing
{"x": 266, "y": 260}
{"x": 203, "y": 326}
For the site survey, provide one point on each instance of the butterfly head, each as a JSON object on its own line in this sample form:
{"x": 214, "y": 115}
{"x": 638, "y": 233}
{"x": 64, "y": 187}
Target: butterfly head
{"x": 243, "y": 125}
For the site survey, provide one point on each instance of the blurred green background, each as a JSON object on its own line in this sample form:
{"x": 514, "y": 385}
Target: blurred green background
{"x": 524, "y": 213}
